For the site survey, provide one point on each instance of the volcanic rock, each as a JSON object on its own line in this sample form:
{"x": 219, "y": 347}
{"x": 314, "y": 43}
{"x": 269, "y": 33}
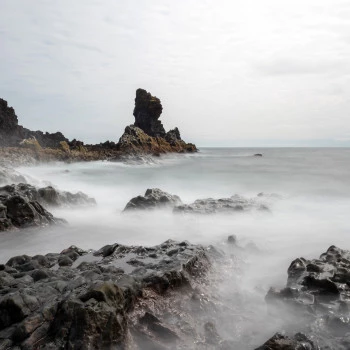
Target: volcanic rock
{"x": 281, "y": 342}
{"x": 11, "y": 134}
{"x": 318, "y": 292}
{"x": 47, "y": 196}
{"x": 99, "y": 300}
{"x": 233, "y": 204}
{"x": 153, "y": 198}
{"x": 148, "y": 135}
{"x": 147, "y": 112}
{"x": 21, "y": 205}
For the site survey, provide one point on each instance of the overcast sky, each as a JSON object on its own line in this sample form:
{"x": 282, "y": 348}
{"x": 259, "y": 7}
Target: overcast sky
{"x": 228, "y": 72}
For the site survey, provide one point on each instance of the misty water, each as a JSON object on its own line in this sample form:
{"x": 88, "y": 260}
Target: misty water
{"x": 310, "y": 214}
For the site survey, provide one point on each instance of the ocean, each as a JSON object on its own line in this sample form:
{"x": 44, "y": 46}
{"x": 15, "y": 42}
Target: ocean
{"x": 310, "y": 212}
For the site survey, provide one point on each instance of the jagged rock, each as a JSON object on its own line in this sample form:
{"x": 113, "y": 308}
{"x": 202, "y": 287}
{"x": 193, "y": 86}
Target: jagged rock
{"x": 281, "y": 342}
{"x": 173, "y": 136}
{"x": 11, "y": 134}
{"x": 153, "y": 198}
{"x": 318, "y": 292}
{"x": 21, "y": 205}
{"x": 94, "y": 303}
{"x": 147, "y": 112}
{"x": 233, "y": 204}
{"x": 47, "y": 196}
{"x": 147, "y": 135}
{"x": 136, "y": 141}
{"x": 21, "y": 212}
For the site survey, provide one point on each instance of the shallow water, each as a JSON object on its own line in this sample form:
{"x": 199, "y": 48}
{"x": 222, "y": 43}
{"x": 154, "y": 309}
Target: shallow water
{"x": 311, "y": 215}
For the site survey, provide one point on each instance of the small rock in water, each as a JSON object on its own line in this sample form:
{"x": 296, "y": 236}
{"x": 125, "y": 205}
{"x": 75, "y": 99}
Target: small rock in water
{"x": 232, "y": 239}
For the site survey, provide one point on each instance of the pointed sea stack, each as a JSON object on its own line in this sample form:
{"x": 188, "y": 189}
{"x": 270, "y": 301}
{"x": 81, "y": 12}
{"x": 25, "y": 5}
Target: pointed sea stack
{"x": 148, "y": 135}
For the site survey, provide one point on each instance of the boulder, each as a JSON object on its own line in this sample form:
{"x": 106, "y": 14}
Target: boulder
{"x": 153, "y": 198}
{"x": 48, "y": 196}
{"x": 21, "y": 205}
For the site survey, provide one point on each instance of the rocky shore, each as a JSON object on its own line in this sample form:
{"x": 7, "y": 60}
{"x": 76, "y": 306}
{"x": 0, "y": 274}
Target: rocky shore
{"x": 117, "y": 297}
{"x": 147, "y": 136}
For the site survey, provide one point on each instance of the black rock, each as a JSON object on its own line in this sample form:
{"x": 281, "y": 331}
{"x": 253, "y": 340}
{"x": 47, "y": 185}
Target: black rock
{"x": 89, "y": 302}
{"x": 147, "y": 112}
{"x": 153, "y": 198}
{"x": 233, "y": 204}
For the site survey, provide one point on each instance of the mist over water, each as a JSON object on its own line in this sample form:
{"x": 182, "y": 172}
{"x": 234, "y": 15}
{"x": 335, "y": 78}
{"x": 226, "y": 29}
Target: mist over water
{"x": 310, "y": 215}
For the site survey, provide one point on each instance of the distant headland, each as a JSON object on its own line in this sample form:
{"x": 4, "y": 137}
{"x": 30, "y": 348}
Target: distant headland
{"x": 146, "y": 136}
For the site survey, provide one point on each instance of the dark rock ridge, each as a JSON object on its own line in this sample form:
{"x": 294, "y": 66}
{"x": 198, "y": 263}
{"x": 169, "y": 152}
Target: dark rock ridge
{"x": 109, "y": 299}
{"x": 153, "y": 198}
{"x": 21, "y": 205}
{"x": 318, "y": 292}
{"x": 11, "y": 134}
{"x": 18, "y": 212}
{"x": 156, "y": 198}
{"x": 148, "y": 135}
{"x": 232, "y": 204}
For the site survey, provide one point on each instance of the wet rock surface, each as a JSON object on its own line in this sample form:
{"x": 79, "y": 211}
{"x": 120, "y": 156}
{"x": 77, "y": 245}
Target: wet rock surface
{"x": 47, "y": 196}
{"x": 22, "y": 205}
{"x": 156, "y": 198}
{"x": 282, "y": 342}
{"x": 115, "y": 297}
{"x": 232, "y": 204}
{"x": 153, "y": 198}
{"x": 318, "y": 293}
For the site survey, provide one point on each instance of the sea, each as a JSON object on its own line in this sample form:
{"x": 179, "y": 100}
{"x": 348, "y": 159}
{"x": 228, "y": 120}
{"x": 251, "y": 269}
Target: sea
{"x": 311, "y": 212}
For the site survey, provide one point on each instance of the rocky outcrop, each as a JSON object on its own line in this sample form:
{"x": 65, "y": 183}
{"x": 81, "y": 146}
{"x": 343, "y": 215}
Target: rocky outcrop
{"x": 148, "y": 135}
{"x": 11, "y": 134}
{"x": 22, "y": 205}
{"x": 147, "y": 112}
{"x": 233, "y": 204}
{"x": 19, "y": 212}
{"x": 153, "y": 198}
{"x": 156, "y": 198}
{"x": 317, "y": 292}
{"x": 111, "y": 298}
{"x": 47, "y": 196}
{"x": 282, "y": 342}
{"x": 135, "y": 141}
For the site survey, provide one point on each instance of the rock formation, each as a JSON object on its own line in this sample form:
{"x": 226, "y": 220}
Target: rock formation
{"x": 148, "y": 135}
{"x": 147, "y": 112}
{"x": 110, "y": 299}
{"x": 11, "y": 134}
{"x": 317, "y": 294}
{"x": 22, "y": 205}
{"x": 154, "y": 198}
